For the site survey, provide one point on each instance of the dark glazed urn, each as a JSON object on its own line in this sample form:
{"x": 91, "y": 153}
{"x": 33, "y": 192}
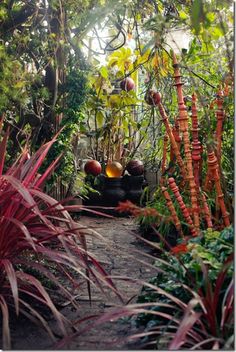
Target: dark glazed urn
{"x": 113, "y": 193}
{"x": 133, "y": 186}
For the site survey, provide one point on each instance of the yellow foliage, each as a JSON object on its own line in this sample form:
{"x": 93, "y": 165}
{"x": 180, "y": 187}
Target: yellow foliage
{"x": 122, "y": 59}
{"x": 141, "y": 59}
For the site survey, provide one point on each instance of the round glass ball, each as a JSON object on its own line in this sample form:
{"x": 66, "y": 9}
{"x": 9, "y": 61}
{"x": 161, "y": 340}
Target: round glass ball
{"x": 114, "y": 169}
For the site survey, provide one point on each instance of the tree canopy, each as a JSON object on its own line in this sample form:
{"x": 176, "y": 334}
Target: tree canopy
{"x": 50, "y": 59}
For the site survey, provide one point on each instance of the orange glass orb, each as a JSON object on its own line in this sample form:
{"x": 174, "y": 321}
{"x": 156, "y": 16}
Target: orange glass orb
{"x": 114, "y": 169}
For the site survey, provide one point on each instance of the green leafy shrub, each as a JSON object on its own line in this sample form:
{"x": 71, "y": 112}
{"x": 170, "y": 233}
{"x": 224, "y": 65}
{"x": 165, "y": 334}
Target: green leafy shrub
{"x": 196, "y": 268}
{"x": 75, "y": 90}
{"x": 178, "y": 309}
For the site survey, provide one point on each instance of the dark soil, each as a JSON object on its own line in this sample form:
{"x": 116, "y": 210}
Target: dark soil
{"x": 118, "y": 259}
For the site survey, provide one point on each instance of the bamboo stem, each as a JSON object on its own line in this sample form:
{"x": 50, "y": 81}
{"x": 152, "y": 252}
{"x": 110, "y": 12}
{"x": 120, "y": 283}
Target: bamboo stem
{"x": 183, "y": 207}
{"x": 172, "y": 210}
{"x": 183, "y": 125}
{"x": 214, "y": 169}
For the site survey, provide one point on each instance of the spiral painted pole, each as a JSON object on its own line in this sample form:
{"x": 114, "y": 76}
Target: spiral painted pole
{"x": 175, "y": 131}
{"x": 219, "y": 126}
{"x": 214, "y": 169}
{"x": 164, "y": 158}
{"x": 174, "y": 145}
{"x": 196, "y": 145}
{"x": 172, "y": 210}
{"x": 183, "y": 124}
{"x": 183, "y": 207}
{"x": 206, "y": 211}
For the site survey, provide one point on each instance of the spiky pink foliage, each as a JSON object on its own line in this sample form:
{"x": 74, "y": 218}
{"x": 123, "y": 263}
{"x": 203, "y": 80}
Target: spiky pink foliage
{"x": 37, "y": 232}
{"x": 204, "y": 322}
{"x": 213, "y": 321}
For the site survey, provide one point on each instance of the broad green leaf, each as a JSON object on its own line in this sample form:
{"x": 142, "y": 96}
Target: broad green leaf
{"x": 134, "y": 76}
{"x": 100, "y": 118}
{"x": 113, "y": 101}
{"x": 183, "y": 15}
{"x": 19, "y": 84}
{"x": 126, "y": 127}
{"x": 197, "y": 15}
{"x": 210, "y": 16}
{"x": 104, "y": 72}
{"x": 138, "y": 17}
{"x": 216, "y": 32}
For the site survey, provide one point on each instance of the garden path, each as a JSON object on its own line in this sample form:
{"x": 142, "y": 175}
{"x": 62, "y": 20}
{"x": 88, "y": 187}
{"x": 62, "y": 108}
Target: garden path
{"x": 119, "y": 258}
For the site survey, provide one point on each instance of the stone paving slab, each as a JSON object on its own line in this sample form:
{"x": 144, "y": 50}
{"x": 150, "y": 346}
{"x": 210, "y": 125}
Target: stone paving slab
{"x": 118, "y": 260}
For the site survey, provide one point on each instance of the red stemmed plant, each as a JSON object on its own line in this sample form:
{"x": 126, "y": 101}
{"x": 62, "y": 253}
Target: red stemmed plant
{"x": 37, "y": 234}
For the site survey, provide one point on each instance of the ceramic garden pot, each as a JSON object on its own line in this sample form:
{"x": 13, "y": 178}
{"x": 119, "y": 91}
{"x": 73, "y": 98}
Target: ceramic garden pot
{"x": 134, "y": 187}
{"x": 113, "y": 191}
